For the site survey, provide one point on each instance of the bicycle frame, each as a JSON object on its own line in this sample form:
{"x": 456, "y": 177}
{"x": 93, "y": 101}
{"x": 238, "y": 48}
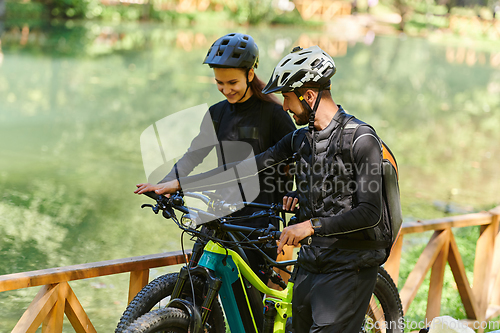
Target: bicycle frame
{"x": 224, "y": 270}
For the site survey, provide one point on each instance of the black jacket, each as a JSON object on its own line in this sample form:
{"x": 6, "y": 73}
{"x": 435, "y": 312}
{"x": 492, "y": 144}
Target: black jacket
{"x": 260, "y": 124}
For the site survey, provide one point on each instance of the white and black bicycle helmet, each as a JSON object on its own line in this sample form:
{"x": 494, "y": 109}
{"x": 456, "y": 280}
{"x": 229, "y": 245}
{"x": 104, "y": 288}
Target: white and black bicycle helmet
{"x": 233, "y": 50}
{"x": 299, "y": 67}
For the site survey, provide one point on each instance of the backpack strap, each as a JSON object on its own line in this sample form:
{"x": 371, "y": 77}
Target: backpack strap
{"x": 298, "y": 137}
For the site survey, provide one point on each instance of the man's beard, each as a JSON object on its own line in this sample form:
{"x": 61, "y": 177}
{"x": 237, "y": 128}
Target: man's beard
{"x": 302, "y": 118}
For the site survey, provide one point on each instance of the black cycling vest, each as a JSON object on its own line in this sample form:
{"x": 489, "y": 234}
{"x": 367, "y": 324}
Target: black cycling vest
{"x": 324, "y": 181}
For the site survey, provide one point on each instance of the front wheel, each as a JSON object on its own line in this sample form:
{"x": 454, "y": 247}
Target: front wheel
{"x": 157, "y": 294}
{"x": 385, "y": 312}
{"x": 168, "y": 320}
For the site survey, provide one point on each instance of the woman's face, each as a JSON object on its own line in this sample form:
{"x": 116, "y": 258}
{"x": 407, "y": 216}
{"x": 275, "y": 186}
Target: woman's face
{"x": 232, "y": 83}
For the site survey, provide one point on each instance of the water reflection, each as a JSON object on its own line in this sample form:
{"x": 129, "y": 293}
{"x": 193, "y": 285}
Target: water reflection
{"x": 95, "y": 39}
{"x": 469, "y": 56}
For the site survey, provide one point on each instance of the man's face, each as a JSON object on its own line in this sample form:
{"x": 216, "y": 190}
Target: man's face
{"x": 292, "y": 104}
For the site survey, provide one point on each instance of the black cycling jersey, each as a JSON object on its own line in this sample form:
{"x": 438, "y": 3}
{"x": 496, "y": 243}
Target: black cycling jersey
{"x": 260, "y": 124}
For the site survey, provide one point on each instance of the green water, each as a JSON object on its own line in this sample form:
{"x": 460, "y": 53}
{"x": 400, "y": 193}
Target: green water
{"x": 74, "y": 100}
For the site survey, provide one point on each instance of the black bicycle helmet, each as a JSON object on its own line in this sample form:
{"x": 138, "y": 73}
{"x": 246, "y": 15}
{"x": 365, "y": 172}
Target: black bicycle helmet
{"x": 233, "y": 50}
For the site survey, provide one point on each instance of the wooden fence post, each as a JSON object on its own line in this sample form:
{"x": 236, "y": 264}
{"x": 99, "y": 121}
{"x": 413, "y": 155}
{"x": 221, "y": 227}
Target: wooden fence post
{"x": 494, "y": 289}
{"x": 422, "y": 266}
{"x": 482, "y": 265}
{"x": 437, "y": 278}
{"x": 393, "y": 262}
{"x": 464, "y": 289}
{"x": 138, "y": 279}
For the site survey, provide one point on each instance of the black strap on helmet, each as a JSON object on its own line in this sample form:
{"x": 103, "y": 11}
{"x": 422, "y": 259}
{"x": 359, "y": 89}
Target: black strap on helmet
{"x": 248, "y": 85}
{"x": 312, "y": 112}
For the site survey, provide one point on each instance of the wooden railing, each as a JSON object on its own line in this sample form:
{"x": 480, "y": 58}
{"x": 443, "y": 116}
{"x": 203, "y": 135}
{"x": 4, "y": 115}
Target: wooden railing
{"x": 481, "y": 301}
{"x": 56, "y": 297}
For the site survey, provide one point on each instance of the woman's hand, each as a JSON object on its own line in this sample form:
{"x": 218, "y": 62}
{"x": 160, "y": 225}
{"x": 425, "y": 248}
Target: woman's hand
{"x": 162, "y": 188}
{"x": 290, "y": 201}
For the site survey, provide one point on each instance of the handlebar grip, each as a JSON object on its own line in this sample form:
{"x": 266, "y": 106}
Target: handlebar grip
{"x": 306, "y": 241}
{"x": 152, "y": 195}
{"x": 295, "y": 211}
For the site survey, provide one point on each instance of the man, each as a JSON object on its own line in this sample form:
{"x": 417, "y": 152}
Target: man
{"x": 339, "y": 186}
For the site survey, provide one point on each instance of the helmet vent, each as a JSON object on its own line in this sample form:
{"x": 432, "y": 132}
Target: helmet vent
{"x": 315, "y": 62}
{"x": 327, "y": 70}
{"x": 236, "y": 55}
{"x": 305, "y": 52}
{"x": 301, "y": 61}
{"x": 245, "y": 37}
{"x": 286, "y": 61}
{"x": 285, "y": 76}
{"x": 231, "y": 35}
{"x": 225, "y": 42}
{"x": 243, "y": 45}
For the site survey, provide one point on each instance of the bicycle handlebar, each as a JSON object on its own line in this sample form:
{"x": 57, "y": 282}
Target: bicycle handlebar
{"x": 215, "y": 201}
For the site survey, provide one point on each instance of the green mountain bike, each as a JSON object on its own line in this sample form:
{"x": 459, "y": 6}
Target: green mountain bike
{"x": 188, "y": 301}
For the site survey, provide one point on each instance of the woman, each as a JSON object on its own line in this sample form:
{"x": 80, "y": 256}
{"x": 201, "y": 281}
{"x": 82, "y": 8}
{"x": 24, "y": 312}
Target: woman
{"x": 245, "y": 115}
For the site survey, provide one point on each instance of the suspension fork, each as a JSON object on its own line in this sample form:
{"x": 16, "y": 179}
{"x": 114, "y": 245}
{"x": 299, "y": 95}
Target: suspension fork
{"x": 198, "y": 247}
{"x": 213, "y": 284}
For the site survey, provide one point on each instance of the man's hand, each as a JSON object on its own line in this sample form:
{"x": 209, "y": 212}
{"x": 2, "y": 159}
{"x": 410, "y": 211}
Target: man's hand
{"x": 290, "y": 201}
{"x": 293, "y": 234}
{"x": 162, "y": 188}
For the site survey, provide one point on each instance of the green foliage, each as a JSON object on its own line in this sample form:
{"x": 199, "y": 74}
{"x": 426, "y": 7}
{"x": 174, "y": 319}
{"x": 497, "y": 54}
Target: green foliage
{"x": 15, "y": 10}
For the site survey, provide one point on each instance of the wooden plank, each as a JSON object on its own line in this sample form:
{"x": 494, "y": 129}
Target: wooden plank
{"x": 482, "y": 265}
{"x": 464, "y": 289}
{"x": 494, "y": 290}
{"x": 393, "y": 262}
{"x": 421, "y": 268}
{"x": 37, "y": 310}
{"x": 90, "y": 270}
{"x": 492, "y": 312}
{"x": 76, "y": 314}
{"x": 138, "y": 279}
{"x": 53, "y": 322}
{"x": 447, "y": 222}
{"x": 437, "y": 279}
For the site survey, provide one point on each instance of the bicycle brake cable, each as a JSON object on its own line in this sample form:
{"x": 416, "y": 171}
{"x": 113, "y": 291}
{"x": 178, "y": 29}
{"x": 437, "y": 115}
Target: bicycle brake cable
{"x": 189, "y": 273}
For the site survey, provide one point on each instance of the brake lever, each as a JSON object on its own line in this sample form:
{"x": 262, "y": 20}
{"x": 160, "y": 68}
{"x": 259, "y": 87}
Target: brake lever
{"x": 155, "y": 208}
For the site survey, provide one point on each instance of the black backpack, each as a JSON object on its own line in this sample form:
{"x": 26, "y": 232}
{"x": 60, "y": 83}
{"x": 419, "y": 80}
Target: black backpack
{"x": 392, "y": 213}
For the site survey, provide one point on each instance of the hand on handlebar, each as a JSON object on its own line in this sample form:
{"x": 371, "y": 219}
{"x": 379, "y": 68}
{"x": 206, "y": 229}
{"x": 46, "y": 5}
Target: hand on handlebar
{"x": 290, "y": 201}
{"x": 293, "y": 234}
{"x": 162, "y": 188}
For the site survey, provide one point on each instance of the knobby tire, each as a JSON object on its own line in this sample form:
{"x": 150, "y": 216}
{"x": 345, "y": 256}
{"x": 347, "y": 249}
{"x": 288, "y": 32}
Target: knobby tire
{"x": 161, "y": 288}
{"x": 168, "y": 320}
{"x": 386, "y": 297}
